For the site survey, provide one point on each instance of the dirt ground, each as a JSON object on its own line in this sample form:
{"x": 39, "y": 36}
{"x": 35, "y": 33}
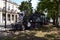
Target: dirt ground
{"x": 30, "y": 35}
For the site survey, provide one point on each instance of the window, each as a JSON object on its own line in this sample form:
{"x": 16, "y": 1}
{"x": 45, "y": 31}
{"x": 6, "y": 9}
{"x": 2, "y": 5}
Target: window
{"x": 3, "y": 17}
{"x": 12, "y": 10}
{"x": 12, "y": 17}
{"x": 9, "y": 17}
{"x": 15, "y": 11}
{"x": 13, "y": 6}
{"x": 3, "y": 8}
{"x": 0, "y": 9}
{"x": 16, "y": 18}
{"x": 8, "y": 7}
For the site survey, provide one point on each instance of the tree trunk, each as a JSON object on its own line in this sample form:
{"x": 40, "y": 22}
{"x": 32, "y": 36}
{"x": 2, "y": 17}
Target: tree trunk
{"x": 57, "y": 14}
{"x": 57, "y": 25}
{"x": 54, "y": 21}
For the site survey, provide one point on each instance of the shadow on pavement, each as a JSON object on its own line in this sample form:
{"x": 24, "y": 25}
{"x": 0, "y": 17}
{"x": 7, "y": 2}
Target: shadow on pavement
{"x": 21, "y": 36}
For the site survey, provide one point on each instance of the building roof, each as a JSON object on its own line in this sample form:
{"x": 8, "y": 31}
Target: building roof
{"x": 12, "y": 2}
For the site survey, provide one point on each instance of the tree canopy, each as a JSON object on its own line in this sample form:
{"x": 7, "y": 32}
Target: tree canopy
{"x": 50, "y": 7}
{"x": 26, "y": 6}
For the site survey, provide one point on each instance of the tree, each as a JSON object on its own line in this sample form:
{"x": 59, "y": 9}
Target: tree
{"x": 26, "y": 6}
{"x": 51, "y": 8}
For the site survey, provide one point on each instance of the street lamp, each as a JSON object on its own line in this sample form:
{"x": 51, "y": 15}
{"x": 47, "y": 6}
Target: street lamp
{"x": 5, "y": 12}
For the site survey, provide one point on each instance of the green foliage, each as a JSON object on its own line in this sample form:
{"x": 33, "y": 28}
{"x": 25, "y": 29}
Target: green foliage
{"x": 26, "y": 6}
{"x": 50, "y": 6}
{"x": 23, "y": 6}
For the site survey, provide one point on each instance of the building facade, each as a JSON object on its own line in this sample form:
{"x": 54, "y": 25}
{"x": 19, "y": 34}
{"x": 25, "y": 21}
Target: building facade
{"x": 11, "y": 12}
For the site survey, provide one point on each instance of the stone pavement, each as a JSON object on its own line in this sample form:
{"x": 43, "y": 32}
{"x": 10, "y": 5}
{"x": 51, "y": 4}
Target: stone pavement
{"x": 4, "y": 34}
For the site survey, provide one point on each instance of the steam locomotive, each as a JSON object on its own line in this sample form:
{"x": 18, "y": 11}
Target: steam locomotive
{"x": 30, "y": 22}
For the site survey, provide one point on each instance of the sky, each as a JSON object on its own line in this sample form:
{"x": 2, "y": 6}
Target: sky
{"x": 34, "y": 2}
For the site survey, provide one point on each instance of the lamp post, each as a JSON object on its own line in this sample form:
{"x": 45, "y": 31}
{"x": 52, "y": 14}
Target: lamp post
{"x": 5, "y": 12}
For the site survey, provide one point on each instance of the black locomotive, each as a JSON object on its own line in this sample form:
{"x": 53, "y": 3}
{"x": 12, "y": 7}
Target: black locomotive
{"x": 34, "y": 21}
